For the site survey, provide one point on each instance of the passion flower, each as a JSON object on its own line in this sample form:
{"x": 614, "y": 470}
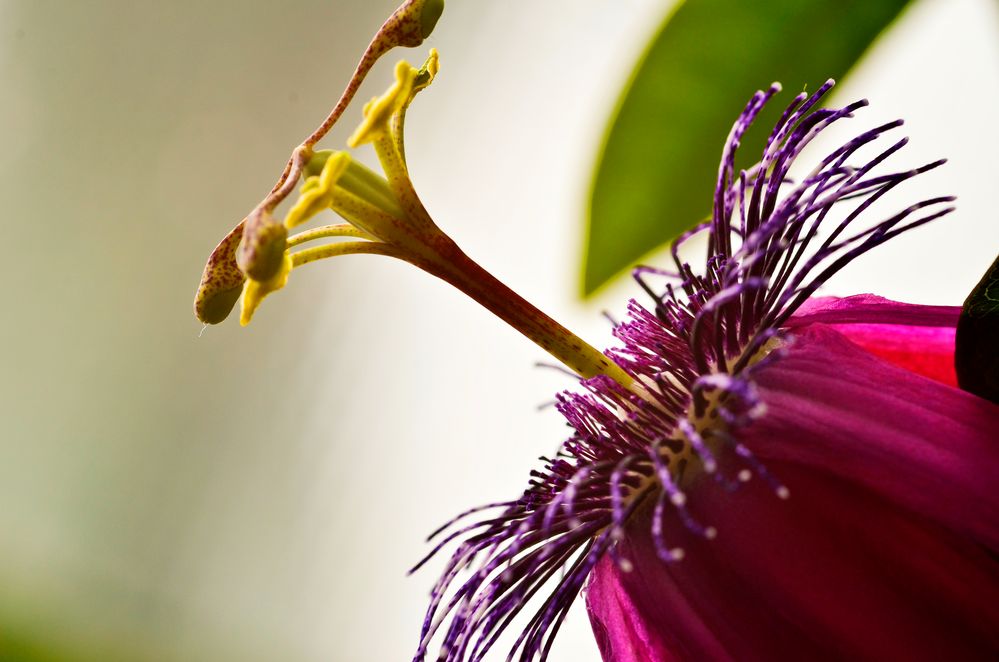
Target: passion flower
{"x": 753, "y": 473}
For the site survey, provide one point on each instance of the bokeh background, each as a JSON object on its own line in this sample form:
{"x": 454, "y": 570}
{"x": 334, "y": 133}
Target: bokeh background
{"x": 172, "y": 493}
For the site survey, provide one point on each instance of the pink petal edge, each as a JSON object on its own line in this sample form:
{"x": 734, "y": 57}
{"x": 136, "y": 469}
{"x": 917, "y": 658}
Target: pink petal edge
{"x": 918, "y": 338}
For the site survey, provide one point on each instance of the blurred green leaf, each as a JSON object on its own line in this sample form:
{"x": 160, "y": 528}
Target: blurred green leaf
{"x": 656, "y": 174}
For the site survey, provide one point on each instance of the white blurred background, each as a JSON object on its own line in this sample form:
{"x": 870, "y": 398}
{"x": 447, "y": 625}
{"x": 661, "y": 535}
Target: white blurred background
{"x": 258, "y": 494}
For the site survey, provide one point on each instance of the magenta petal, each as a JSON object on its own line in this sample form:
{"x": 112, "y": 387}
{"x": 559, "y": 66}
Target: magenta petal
{"x": 834, "y": 573}
{"x": 919, "y": 444}
{"x": 622, "y": 631}
{"x": 885, "y": 550}
{"x": 917, "y": 338}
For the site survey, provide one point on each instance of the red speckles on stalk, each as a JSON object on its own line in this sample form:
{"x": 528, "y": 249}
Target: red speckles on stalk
{"x": 405, "y": 27}
{"x": 256, "y": 235}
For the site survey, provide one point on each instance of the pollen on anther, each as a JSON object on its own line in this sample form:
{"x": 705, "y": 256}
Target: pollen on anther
{"x": 745, "y": 475}
{"x": 677, "y": 553}
{"x": 711, "y": 533}
{"x": 678, "y": 498}
{"x": 783, "y": 492}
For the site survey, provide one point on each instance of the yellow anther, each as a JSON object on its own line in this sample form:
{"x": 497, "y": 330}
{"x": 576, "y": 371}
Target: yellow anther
{"x": 378, "y": 112}
{"x": 381, "y": 111}
{"x": 255, "y": 291}
{"x": 317, "y": 192}
{"x": 314, "y": 166}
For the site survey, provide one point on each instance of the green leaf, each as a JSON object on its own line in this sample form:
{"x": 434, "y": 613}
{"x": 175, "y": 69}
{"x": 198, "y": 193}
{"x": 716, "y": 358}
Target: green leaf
{"x": 976, "y": 353}
{"x": 657, "y": 171}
